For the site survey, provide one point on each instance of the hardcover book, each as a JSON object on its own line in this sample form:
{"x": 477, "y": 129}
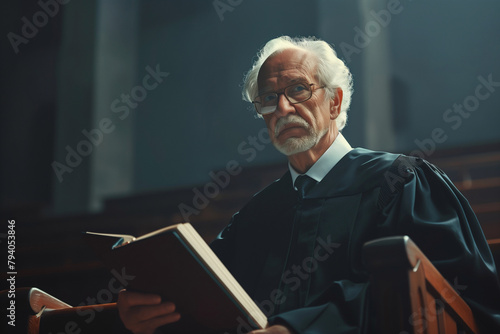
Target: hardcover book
{"x": 176, "y": 263}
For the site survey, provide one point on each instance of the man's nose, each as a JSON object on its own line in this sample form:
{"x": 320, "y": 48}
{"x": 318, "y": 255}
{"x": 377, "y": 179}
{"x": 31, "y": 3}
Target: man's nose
{"x": 284, "y": 106}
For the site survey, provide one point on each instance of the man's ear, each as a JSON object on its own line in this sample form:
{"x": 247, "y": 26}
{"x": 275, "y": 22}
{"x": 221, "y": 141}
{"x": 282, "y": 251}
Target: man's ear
{"x": 335, "y": 103}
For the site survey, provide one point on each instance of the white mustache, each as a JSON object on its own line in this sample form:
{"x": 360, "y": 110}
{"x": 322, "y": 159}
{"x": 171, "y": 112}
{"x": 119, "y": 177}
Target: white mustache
{"x": 287, "y": 120}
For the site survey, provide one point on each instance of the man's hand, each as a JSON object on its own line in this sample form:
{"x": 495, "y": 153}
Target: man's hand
{"x": 143, "y": 313}
{"x": 276, "y": 329}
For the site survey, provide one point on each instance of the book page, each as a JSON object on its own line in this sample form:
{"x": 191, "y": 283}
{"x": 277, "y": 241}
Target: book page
{"x": 206, "y": 254}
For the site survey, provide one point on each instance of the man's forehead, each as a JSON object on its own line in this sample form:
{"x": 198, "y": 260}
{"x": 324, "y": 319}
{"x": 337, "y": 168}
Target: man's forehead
{"x": 287, "y": 66}
{"x": 287, "y": 60}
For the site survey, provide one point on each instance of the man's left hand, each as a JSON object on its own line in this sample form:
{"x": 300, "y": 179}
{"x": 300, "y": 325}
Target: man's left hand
{"x": 276, "y": 329}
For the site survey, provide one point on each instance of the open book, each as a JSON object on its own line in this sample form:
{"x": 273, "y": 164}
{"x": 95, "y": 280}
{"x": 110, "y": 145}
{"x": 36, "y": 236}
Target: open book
{"x": 176, "y": 263}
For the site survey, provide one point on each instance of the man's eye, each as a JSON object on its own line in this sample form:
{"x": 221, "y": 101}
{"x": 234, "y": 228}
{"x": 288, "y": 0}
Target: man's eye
{"x": 268, "y": 98}
{"x": 296, "y": 89}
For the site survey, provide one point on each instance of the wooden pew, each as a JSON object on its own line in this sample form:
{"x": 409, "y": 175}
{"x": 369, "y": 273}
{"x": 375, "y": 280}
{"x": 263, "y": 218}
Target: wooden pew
{"x": 409, "y": 295}
{"x": 37, "y": 312}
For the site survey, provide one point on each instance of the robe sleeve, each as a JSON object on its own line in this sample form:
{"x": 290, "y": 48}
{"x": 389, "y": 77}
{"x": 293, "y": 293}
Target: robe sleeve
{"x": 343, "y": 309}
{"x": 417, "y": 199}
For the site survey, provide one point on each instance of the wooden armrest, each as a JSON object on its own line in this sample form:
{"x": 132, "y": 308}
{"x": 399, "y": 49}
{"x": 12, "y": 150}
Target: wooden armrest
{"x": 32, "y": 300}
{"x": 409, "y": 294}
{"x": 29, "y": 302}
{"x": 37, "y": 312}
{"x": 39, "y": 299}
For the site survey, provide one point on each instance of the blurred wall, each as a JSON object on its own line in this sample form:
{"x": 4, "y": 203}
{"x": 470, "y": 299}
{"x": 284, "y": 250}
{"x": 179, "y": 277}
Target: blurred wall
{"x": 441, "y": 51}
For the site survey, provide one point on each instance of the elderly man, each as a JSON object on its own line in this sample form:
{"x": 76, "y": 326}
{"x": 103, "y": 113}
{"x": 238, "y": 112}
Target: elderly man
{"x": 296, "y": 246}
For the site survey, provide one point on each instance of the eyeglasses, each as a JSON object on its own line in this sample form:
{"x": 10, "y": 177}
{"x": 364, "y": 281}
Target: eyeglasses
{"x": 296, "y": 93}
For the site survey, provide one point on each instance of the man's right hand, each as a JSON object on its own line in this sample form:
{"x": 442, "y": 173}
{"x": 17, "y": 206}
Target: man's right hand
{"x": 143, "y": 313}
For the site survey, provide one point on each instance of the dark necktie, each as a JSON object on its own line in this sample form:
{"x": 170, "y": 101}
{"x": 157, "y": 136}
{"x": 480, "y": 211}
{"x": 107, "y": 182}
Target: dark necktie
{"x": 304, "y": 183}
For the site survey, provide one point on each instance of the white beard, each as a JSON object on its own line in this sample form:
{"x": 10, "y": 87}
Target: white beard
{"x": 294, "y": 145}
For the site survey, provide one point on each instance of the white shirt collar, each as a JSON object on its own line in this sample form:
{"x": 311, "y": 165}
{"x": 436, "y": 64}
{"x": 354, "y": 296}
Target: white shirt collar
{"x": 339, "y": 148}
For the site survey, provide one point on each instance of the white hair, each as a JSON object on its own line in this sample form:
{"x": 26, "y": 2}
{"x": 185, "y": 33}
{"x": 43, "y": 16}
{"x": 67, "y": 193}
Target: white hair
{"x": 332, "y": 72}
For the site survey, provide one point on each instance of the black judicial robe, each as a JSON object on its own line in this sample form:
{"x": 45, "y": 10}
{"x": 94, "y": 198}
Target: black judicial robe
{"x": 301, "y": 261}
